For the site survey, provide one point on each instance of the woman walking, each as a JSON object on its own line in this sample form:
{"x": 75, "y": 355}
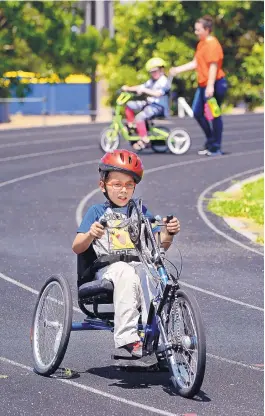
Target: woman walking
{"x": 208, "y": 61}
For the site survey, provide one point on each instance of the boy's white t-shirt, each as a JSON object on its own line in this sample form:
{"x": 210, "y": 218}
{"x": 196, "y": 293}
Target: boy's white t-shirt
{"x": 161, "y": 84}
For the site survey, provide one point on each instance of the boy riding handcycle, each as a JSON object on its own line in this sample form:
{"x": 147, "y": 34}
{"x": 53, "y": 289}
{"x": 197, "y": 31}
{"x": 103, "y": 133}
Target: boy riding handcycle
{"x": 148, "y": 101}
{"x": 124, "y": 248}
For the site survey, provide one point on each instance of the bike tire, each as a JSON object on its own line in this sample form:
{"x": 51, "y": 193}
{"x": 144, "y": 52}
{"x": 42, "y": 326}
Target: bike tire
{"x": 194, "y": 388}
{"x": 179, "y": 141}
{"x": 105, "y": 143}
{"x": 135, "y": 228}
{"x": 42, "y": 364}
{"x": 160, "y": 146}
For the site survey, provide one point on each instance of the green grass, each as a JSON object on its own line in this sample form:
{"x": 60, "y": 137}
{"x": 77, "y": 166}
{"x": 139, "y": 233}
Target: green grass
{"x": 249, "y": 203}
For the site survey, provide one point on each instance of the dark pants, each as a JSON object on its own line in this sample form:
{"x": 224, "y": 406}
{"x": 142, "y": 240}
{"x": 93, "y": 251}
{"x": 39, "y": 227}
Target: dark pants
{"x": 213, "y": 131}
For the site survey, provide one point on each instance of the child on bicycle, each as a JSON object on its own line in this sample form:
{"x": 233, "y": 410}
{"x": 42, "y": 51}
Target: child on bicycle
{"x": 120, "y": 171}
{"x": 155, "y": 105}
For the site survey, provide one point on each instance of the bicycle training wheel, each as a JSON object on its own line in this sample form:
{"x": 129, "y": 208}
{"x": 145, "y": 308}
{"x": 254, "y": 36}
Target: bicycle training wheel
{"x": 51, "y": 325}
{"x": 185, "y": 332}
{"x": 179, "y": 141}
{"x": 109, "y": 140}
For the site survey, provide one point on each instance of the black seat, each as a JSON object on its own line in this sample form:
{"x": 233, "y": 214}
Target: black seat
{"x": 99, "y": 291}
{"x": 91, "y": 291}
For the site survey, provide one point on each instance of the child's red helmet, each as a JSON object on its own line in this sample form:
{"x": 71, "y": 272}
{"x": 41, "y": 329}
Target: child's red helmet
{"x": 122, "y": 160}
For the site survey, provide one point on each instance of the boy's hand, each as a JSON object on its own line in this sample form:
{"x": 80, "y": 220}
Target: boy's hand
{"x": 173, "y": 226}
{"x": 97, "y": 230}
{"x": 140, "y": 90}
{"x": 124, "y": 88}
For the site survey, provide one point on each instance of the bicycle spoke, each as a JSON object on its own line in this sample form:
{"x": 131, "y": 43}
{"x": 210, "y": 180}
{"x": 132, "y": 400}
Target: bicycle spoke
{"x": 49, "y": 323}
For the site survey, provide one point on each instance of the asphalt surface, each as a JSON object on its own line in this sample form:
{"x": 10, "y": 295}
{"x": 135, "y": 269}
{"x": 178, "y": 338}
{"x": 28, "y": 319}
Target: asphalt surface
{"x": 44, "y": 174}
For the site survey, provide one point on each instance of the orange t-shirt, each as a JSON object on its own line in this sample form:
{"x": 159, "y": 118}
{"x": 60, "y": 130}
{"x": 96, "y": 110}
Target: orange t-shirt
{"x": 207, "y": 52}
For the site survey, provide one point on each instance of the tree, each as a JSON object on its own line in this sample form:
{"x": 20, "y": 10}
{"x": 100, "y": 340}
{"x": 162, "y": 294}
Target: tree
{"x": 44, "y": 37}
{"x": 165, "y": 28}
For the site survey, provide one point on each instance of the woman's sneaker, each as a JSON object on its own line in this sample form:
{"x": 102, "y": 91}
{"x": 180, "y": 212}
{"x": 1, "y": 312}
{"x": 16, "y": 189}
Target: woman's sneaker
{"x": 203, "y": 152}
{"x": 215, "y": 153}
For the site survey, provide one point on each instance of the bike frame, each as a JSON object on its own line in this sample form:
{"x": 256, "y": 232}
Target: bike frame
{"x": 118, "y": 126}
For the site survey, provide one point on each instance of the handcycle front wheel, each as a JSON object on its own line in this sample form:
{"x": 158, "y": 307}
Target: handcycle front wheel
{"x": 109, "y": 139}
{"x": 185, "y": 332}
{"x": 134, "y": 228}
{"x": 178, "y": 141}
{"x": 51, "y": 325}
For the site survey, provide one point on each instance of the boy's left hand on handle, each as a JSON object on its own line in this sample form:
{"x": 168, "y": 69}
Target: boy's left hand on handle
{"x": 173, "y": 226}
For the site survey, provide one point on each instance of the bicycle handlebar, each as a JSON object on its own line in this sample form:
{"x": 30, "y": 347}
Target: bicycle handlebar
{"x": 103, "y": 222}
{"x": 153, "y": 220}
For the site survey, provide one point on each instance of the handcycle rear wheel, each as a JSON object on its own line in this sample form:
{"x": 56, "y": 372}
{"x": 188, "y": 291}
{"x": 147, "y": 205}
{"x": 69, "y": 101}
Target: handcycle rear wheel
{"x": 187, "y": 337}
{"x": 178, "y": 141}
{"x": 109, "y": 139}
{"x": 51, "y": 325}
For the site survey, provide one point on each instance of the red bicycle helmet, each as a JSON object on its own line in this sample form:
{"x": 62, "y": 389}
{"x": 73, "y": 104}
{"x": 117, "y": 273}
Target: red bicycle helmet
{"x": 122, "y": 160}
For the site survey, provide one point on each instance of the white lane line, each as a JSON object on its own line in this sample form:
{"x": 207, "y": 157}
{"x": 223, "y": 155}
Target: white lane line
{"x": 86, "y": 137}
{"x": 49, "y": 152}
{"x": 16, "y": 283}
{"x": 54, "y": 132}
{"x": 72, "y": 165}
{"x": 202, "y": 214}
{"x": 96, "y": 391}
{"x": 78, "y": 217}
{"x": 27, "y": 288}
{"x": 44, "y": 172}
{"x": 203, "y": 160}
{"x": 226, "y": 360}
{"x": 54, "y": 140}
{"x": 216, "y": 295}
{"x": 81, "y": 206}
{"x": 35, "y": 292}
{"x": 239, "y": 120}
{"x": 82, "y": 203}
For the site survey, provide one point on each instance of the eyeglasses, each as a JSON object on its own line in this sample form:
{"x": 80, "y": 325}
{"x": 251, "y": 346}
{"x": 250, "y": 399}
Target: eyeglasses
{"x": 118, "y": 185}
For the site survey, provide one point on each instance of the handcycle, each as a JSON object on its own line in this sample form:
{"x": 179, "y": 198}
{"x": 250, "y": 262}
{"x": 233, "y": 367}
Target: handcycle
{"x": 174, "y": 333}
{"x": 162, "y": 139}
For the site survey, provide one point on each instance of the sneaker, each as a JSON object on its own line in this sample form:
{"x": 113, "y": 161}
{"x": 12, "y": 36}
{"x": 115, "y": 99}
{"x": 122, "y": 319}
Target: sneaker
{"x": 135, "y": 349}
{"x": 203, "y": 152}
{"x": 216, "y": 153}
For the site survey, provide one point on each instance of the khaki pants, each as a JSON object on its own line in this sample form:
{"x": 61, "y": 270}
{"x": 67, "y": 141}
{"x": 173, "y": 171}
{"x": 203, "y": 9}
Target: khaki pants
{"x": 132, "y": 290}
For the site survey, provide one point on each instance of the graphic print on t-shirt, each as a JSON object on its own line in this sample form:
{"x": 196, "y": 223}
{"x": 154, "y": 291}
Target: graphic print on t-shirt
{"x": 119, "y": 238}
{"x": 115, "y": 240}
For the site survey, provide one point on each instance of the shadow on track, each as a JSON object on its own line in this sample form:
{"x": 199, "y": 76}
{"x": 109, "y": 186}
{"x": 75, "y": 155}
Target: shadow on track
{"x": 139, "y": 378}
